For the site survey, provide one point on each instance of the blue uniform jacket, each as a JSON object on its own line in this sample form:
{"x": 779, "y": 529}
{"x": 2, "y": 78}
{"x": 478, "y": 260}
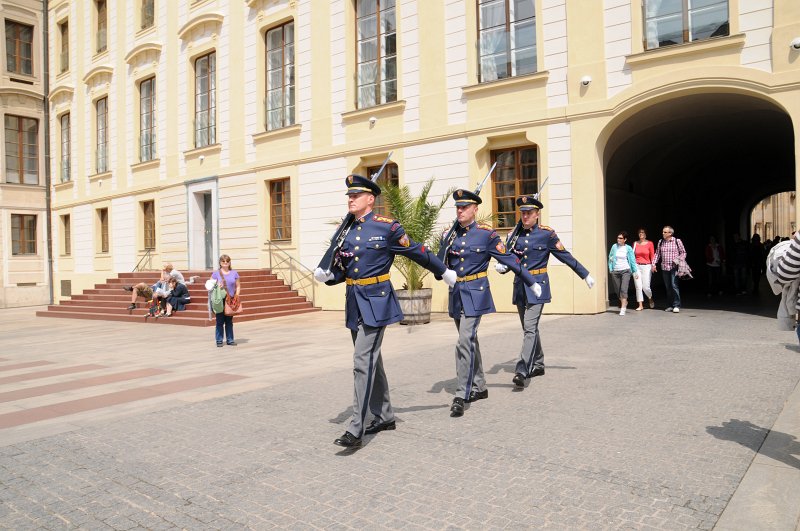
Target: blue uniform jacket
{"x": 367, "y": 252}
{"x": 469, "y": 255}
{"x": 533, "y": 247}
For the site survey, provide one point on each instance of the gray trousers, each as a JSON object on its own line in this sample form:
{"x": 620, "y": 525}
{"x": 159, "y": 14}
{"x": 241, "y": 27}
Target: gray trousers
{"x": 531, "y": 355}
{"x": 469, "y": 366}
{"x": 370, "y": 386}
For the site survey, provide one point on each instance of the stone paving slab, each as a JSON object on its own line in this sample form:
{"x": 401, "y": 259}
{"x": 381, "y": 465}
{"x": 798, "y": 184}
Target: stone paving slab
{"x": 649, "y": 421}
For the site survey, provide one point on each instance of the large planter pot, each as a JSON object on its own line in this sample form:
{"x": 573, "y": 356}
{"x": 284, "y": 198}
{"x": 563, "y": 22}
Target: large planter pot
{"x": 416, "y": 305}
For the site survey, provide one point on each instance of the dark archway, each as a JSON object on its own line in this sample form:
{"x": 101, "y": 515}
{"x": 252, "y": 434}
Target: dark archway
{"x": 698, "y": 162}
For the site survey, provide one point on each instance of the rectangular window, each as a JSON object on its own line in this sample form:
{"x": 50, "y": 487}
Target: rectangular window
{"x": 23, "y": 234}
{"x": 63, "y": 31}
{"x": 280, "y": 207}
{"x": 22, "y": 150}
{"x": 515, "y": 175}
{"x": 280, "y": 76}
{"x": 390, "y": 175}
{"x": 506, "y": 39}
{"x": 670, "y": 22}
{"x": 376, "y": 52}
{"x": 65, "y": 148}
{"x": 66, "y": 240}
{"x": 102, "y": 25}
{"x": 148, "y": 13}
{"x": 101, "y": 108}
{"x": 149, "y": 224}
{"x": 205, "y": 121}
{"x": 19, "y": 48}
{"x": 102, "y": 221}
{"x": 147, "y": 114}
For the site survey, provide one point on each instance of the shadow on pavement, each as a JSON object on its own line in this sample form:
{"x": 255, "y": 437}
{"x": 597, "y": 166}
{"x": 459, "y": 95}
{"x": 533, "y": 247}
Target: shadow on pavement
{"x": 782, "y": 447}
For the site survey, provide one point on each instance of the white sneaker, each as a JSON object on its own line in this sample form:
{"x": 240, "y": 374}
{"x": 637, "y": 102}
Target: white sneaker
{"x": 676, "y": 310}
{"x": 622, "y": 311}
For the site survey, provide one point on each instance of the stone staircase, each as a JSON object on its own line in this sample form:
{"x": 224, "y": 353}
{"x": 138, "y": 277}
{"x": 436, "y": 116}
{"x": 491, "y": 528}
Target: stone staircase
{"x": 263, "y": 295}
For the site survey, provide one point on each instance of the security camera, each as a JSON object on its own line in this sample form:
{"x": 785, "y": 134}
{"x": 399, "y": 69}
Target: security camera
{"x": 795, "y": 44}
{"x": 372, "y": 120}
{"x": 585, "y": 80}
{"x": 202, "y": 158}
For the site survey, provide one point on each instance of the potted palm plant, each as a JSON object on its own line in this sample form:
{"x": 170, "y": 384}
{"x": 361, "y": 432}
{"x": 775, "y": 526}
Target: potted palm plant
{"x": 419, "y": 218}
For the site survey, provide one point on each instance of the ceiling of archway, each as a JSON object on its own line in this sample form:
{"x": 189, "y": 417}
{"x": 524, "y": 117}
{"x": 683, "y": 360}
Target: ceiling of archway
{"x": 704, "y": 143}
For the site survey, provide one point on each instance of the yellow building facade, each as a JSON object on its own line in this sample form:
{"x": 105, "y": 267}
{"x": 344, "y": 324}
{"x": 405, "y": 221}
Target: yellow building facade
{"x": 23, "y": 186}
{"x": 195, "y": 128}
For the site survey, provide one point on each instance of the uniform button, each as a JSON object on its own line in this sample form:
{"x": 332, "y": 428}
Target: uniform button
{"x": 481, "y": 288}
{"x": 526, "y": 241}
{"x": 356, "y": 259}
{"x": 383, "y": 293}
{"x": 462, "y": 259}
{"x": 358, "y": 238}
{"x": 377, "y": 246}
{"x": 358, "y": 228}
{"x": 461, "y": 268}
{"x": 355, "y": 270}
{"x": 462, "y": 251}
{"x": 463, "y": 243}
{"x": 356, "y": 247}
{"x": 477, "y": 250}
{"x": 526, "y": 256}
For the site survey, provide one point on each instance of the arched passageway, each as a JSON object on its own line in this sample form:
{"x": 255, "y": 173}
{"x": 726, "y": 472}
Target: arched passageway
{"x": 698, "y": 162}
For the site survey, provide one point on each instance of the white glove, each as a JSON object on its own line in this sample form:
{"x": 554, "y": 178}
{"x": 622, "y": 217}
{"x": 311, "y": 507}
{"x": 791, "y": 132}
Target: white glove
{"x": 501, "y": 268}
{"x": 636, "y": 276}
{"x": 589, "y": 281}
{"x": 322, "y": 276}
{"x": 537, "y": 289}
{"x": 449, "y": 277}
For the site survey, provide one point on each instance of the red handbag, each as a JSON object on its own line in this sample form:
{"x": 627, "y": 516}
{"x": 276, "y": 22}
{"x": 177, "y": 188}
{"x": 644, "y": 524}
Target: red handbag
{"x": 233, "y": 305}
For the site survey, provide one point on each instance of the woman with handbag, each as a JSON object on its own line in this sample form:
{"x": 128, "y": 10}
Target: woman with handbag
{"x": 228, "y": 279}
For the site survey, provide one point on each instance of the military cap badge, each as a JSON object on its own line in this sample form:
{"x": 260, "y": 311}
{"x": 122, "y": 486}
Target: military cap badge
{"x": 460, "y": 193}
{"x": 350, "y": 179}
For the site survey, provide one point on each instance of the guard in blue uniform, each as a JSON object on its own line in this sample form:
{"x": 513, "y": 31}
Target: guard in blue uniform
{"x": 533, "y": 245}
{"x": 468, "y": 255}
{"x": 363, "y": 262}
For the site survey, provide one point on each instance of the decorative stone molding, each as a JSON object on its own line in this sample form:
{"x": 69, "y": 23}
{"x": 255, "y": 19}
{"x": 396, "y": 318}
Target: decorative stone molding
{"x": 199, "y": 20}
{"x": 142, "y": 49}
{"x": 97, "y": 71}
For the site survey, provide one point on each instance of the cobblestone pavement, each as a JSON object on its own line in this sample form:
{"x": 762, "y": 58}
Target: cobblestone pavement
{"x": 647, "y": 421}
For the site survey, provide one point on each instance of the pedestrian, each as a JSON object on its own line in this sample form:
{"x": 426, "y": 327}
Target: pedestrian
{"x": 154, "y": 293}
{"x": 364, "y": 260}
{"x": 669, "y": 251}
{"x": 228, "y": 278}
{"x": 178, "y": 297}
{"x": 622, "y": 265}
{"x": 757, "y": 261}
{"x": 715, "y": 257}
{"x": 644, "y": 252}
{"x": 533, "y": 245}
{"x": 740, "y": 259}
{"x": 469, "y": 252}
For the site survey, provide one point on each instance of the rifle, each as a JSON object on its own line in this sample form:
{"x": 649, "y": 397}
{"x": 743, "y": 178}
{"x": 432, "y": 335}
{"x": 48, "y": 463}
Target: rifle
{"x": 511, "y": 239}
{"x": 326, "y": 263}
{"x": 447, "y": 241}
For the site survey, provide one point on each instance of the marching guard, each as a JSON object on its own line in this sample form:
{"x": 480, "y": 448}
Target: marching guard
{"x": 468, "y": 255}
{"x": 534, "y": 244}
{"x": 363, "y": 262}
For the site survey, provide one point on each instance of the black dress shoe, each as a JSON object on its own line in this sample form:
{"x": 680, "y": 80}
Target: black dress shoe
{"x": 457, "y": 409}
{"x": 478, "y": 395}
{"x": 348, "y": 440}
{"x": 375, "y": 426}
{"x": 537, "y": 371}
{"x": 132, "y": 306}
{"x": 519, "y": 380}
{"x": 127, "y": 288}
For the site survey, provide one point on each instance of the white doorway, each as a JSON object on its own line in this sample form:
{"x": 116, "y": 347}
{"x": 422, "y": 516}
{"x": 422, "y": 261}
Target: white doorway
{"x": 201, "y": 207}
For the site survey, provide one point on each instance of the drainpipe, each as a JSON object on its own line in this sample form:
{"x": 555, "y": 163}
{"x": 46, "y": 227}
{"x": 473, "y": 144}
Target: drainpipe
{"x": 46, "y": 103}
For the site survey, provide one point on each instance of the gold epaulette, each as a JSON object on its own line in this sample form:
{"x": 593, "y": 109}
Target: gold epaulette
{"x": 485, "y": 227}
{"x": 545, "y": 227}
{"x": 382, "y": 219}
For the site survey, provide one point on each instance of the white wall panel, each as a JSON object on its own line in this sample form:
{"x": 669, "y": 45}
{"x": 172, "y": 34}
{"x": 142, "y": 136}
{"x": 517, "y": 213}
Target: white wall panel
{"x": 238, "y": 219}
{"x": 554, "y": 30}
{"x": 252, "y": 100}
{"x": 302, "y": 33}
{"x": 338, "y": 71}
{"x": 617, "y": 36}
{"x": 756, "y": 21}
{"x": 123, "y": 233}
{"x": 321, "y": 199}
{"x": 446, "y": 162}
{"x": 83, "y": 229}
{"x": 409, "y": 55}
{"x": 455, "y": 57}
{"x": 557, "y": 194}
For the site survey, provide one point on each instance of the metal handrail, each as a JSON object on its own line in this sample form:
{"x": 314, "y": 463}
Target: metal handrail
{"x": 142, "y": 259}
{"x": 299, "y": 277}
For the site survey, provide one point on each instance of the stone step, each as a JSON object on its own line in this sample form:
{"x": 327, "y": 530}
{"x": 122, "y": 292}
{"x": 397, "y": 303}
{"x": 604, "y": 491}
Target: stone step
{"x": 176, "y": 320}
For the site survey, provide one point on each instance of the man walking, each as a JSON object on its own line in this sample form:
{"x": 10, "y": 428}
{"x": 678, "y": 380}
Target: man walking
{"x": 533, "y": 245}
{"x": 364, "y": 260}
{"x": 470, "y": 298}
{"x": 669, "y": 251}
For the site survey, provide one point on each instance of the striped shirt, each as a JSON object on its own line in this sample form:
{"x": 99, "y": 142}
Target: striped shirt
{"x": 787, "y": 267}
{"x": 668, "y": 251}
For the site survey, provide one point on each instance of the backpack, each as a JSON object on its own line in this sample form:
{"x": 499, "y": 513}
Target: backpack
{"x": 217, "y": 297}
